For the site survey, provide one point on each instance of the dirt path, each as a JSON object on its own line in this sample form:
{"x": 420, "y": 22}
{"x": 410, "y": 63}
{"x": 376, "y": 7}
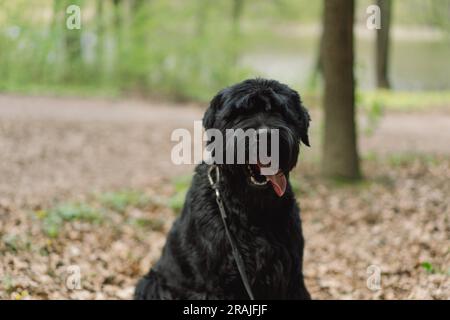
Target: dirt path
{"x": 422, "y": 132}
{"x": 55, "y": 147}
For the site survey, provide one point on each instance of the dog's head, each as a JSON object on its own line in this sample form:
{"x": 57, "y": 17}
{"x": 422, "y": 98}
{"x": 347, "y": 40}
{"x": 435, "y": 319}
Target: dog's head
{"x": 261, "y": 105}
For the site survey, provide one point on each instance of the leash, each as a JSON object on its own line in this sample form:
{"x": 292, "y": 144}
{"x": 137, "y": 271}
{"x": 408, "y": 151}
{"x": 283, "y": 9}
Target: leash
{"x": 236, "y": 254}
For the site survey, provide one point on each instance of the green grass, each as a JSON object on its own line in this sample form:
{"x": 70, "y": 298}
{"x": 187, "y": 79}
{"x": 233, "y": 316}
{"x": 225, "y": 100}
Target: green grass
{"x": 99, "y": 209}
{"x": 53, "y": 219}
{"x": 120, "y": 201}
{"x": 404, "y": 101}
{"x": 148, "y": 223}
{"x": 8, "y": 284}
{"x": 61, "y": 90}
{"x": 295, "y": 184}
{"x": 431, "y": 269}
{"x": 428, "y": 267}
{"x": 375, "y": 102}
{"x": 401, "y": 159}
{"x": 181, "y": 186}
{"x": 15, "y": 243}
{"x": 407, "y": 158}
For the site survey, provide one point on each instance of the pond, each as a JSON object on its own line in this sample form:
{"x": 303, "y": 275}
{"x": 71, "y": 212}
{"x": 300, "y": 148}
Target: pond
{"x": 417, "y": 63}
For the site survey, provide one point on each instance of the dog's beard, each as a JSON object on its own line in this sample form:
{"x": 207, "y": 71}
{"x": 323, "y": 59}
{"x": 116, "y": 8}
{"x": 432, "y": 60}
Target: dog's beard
{"x": 253, "y": 173}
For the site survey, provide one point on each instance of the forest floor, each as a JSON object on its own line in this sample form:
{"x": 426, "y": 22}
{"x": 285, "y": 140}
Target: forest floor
{"x": 89, "y": 184}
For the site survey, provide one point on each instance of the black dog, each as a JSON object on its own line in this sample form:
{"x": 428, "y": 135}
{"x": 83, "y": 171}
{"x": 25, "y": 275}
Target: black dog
{"x": 197, "y": 261}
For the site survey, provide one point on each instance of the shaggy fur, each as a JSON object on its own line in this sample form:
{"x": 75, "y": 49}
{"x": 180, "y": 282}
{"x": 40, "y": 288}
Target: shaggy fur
{"x": 197, "y": 262}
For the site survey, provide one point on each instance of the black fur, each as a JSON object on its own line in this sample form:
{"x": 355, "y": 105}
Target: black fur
{"x": 197, "y": 262}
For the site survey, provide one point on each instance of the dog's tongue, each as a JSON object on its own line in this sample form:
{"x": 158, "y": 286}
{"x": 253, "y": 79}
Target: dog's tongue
{"x": 278, "y": 183}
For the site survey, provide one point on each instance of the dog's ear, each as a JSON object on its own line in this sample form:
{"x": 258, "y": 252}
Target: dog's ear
{"x": 302, "y": 116}
{"x": 210, "y": 115}
{"x": 305, "y": 119}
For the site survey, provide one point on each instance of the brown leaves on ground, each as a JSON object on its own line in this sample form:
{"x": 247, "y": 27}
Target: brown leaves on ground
{"x": 111, "y": 253}
{"x": 396, "y": 220}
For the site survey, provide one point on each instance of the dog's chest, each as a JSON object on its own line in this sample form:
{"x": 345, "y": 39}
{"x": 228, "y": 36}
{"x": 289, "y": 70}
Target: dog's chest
{"x": 270, "y": 260}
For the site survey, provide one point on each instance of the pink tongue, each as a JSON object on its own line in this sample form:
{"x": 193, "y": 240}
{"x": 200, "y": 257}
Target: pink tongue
{"x": 278, "y": 183}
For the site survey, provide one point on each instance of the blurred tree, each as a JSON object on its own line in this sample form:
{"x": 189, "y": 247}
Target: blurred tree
{"x": 202, "y": 15}
{"x": 340, "y": 156}
{"x": 137, "y": 4}
{"x": 100, "y": 37}
{"x": 382, "y": 47}
{"x": 237, "y": 10}
{"x": 440, "y": 14}
{"x": 119, "y": 8}
{"x": 238, "y": 7}
{"x": 318, "y": 64}
{"x": 72, "y": 42}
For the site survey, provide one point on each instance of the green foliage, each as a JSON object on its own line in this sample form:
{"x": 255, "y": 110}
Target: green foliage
{"x": 416, "y": 12}
{"x": 428, "y": 267}
{"x": 407, "y": 158}
{"x": 15, "y": 243}
{"x": 8, "y": 284}
{"x": 95, "y": 211}
{"x": 54, "y": 218}
{"x": 181, "y": 186}
{"x": 177, "y": 49}
{"x": 147, "y": 223}
{"x": 374, "y": 115}
{"x": 182, "y": 183}
{"x": 431, "y": 269}
{"x": 176, "y": 202}
{"x": 295, "y": 185}
{"x": 402, "y": 100}
{"x": 374, "y": 109}
{"x": 266, "y": 11}
{"x": 121, "y": 200}
{"x": 155, "y": 47}
{"x": 425, "y": 12}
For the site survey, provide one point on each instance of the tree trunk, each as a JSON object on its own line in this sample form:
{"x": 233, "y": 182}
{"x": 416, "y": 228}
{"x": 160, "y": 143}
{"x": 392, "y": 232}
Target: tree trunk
{"x": 340, "y": 156}
{"x": 99, "y": 17}
{"x": 202, "y": 16}
{"x": 318, "y": 66}
{"x": 236, "y": 15}
{"x": 238, "y": 6}
{"x": 382, "y": 47}
{"x": 72, "y": 44}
